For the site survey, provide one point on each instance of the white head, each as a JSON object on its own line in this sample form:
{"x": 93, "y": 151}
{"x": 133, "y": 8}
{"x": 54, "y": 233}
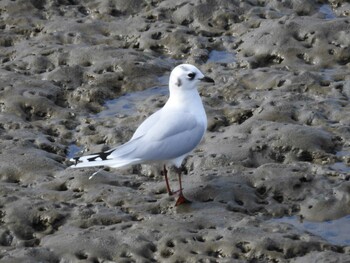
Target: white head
{"x": 186, "y": 77}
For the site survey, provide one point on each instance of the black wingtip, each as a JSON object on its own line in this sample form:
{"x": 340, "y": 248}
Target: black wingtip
{"x": 76, "y": 160}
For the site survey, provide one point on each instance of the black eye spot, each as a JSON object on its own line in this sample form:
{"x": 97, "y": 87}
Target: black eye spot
{"x": 191, "y": 75}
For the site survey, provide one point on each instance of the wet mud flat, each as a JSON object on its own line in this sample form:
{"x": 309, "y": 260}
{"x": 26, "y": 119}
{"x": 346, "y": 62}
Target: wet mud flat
{"x": 268, "y": 181}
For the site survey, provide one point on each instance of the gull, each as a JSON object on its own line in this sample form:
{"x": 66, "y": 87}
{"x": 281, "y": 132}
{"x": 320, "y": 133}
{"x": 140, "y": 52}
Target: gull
{"x": 167, "y": 136}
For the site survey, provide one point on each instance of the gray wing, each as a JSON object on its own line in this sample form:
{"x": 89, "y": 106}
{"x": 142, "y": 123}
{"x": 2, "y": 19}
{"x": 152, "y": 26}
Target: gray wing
{"x": 164, "y": 137}
{"x": 146, "y": 124}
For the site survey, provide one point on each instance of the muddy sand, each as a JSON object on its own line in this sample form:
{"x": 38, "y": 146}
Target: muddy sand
{"x": 270, "y": 182}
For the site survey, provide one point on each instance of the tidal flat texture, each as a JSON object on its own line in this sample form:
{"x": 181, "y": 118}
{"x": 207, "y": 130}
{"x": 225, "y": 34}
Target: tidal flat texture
{"x": 82, "y": 75}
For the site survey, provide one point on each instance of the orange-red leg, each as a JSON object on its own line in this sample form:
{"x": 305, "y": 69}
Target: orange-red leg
{"x": 165, "y": 173}
{"x": 181, "y": 199}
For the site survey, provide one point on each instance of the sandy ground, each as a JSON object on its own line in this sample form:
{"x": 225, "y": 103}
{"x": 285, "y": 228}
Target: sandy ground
{"x": 277, "y": 145}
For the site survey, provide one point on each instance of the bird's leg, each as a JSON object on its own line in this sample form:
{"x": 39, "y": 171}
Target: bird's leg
{"x": 165, "y": 173}
{"x": 181, "y": 199}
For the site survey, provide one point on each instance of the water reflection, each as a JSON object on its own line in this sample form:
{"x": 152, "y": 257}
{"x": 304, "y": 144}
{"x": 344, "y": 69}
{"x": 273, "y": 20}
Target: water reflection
{"x": 127, "y": 104}
{"x": 217, "y": 56}
{"x": 73, "y": 150}
{"x": 334, "y": 231}
{"x": 328, "y": 12}
{"x": 341, "y": 166}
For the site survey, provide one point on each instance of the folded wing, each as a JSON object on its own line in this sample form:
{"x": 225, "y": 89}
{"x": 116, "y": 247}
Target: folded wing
{"x": 161, "y": 137}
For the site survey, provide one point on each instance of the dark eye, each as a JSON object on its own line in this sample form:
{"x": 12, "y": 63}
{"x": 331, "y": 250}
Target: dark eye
{"x": 191, "y": 75}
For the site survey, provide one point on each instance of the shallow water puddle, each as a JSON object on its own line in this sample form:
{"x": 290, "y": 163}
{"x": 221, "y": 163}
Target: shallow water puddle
{"x": 73, "y": 150}
{"x": 328, "y": 12}
{"x": 343, "y": 153}
{"x": 334, "y": 231}
{"x": 127, "y": 104}
{"x": 328, "y": 74}
{"x": 217, "y": 56}
{"x": 341, "y": 166}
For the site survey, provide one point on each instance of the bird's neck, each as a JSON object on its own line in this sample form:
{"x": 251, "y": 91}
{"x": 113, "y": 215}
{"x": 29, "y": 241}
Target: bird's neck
{"x": 187, "y": 101}
{"x": 184, "y": 98}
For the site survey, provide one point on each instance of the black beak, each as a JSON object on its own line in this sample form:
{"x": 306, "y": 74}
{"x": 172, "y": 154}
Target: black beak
{"x": 207, "y": 79}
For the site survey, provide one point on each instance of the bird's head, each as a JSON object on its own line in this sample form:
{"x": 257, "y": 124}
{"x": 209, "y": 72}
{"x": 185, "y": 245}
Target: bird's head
{"x": 186, "y": 77}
